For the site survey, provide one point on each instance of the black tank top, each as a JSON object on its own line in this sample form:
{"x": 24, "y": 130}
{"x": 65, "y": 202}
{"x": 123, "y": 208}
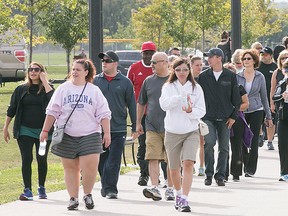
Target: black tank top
{"x": 279, "y": 75}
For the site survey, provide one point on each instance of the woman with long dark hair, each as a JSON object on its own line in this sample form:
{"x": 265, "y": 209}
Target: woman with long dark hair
{"x": 183, "y": 100}
{"x": 28, "y": 104}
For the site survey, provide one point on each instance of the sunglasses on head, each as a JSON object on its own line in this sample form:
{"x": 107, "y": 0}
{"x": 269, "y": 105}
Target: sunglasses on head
{"x": 107, "y": 60}
{"x": 34, "y": 69}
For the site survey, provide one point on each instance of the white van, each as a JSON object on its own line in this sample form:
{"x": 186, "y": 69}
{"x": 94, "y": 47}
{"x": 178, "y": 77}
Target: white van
{"x": 12, "y": 57}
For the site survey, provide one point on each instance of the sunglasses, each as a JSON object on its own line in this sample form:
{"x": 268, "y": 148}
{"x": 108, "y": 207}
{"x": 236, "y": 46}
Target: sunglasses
{"x": 283, "y": 58}
{"x": 155, "y": 62}
{"x": 34, "y": 69}
{"x": 246, "y": 59}
{"x": 181, "y": 70}
{"x": 107, "y": 60}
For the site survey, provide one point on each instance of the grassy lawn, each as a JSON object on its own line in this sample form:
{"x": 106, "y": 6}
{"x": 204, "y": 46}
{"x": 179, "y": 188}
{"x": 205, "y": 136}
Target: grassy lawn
{"x": 11, "y": 184}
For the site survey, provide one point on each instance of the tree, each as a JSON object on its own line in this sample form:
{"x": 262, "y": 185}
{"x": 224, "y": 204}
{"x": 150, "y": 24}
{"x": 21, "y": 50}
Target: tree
{"x": 178, "y": 23}
{"x": 8, "y": 20}
{"x": 149, "y": 23}
{"x": 67, "y": 25}
{"x": 259, "y": 20}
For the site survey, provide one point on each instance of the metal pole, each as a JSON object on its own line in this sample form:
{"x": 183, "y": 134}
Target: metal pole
{"x": 95, "y": 32}
{"x": 236, "y": 24}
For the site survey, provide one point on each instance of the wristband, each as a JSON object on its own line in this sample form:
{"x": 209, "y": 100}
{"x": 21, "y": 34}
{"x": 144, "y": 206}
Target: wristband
{"x": 45, "y": 131}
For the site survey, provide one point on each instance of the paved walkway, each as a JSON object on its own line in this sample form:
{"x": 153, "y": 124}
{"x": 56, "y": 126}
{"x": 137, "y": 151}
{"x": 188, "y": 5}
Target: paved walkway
{"x": 261, "y": 195}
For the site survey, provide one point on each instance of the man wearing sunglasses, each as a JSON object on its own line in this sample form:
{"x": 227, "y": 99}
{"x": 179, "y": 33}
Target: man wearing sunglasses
{"x": 119, "y": 93}
{"x": 137, "y": 73}
{"x": 222, "y": 100}
{"x": 267, "y": 67}
{"x": 154, "y": 123}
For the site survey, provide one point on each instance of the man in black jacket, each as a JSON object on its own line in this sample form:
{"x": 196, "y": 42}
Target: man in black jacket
{"x": 222, "y": 100}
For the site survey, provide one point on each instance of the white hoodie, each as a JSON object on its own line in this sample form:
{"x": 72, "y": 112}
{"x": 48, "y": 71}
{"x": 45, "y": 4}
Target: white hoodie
{"x": 178, "y": 121}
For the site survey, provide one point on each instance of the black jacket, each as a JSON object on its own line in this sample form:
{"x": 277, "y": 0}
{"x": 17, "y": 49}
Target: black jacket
{"x": 222, "y": 97}
{"x": 281, "y": 106}
{"x": 15, "y": 108}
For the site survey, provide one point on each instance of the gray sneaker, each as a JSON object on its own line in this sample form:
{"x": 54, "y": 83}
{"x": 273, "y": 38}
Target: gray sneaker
{"x": 88, "y": 200}
{"x": 270, "y": 146}
{"x": 169, "y": 195}
{"x": 152, "y": 193}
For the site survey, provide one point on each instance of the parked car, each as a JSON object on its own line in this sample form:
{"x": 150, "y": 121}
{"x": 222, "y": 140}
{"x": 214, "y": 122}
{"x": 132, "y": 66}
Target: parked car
{"x": 126, "y": 58}
{"x": 12, "y": 57}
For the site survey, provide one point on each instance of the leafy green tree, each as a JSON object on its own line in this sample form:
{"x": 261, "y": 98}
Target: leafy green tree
{"x": 178, "y": 23}
{"x": 259, "y": 20}
{"x": 117, "y": 13}
{"x": 149, "y": 23}
{"x": 8, "y": 20}
{"x": 67, "y": 25}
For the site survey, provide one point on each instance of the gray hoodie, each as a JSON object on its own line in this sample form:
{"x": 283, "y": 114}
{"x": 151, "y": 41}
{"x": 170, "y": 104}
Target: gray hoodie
{"x": 258, "y": 93}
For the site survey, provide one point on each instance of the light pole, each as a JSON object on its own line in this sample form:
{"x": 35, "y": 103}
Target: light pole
{"x": 95, "y": 32}
{"x": 236, "y": 24}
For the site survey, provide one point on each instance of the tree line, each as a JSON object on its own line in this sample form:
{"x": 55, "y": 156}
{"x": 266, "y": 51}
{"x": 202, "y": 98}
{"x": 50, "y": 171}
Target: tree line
{"x": 181, "y": 23}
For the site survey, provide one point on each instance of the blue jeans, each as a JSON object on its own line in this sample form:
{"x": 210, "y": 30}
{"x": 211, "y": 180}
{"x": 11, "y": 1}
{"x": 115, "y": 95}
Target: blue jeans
{"x": 217, "y": 129}
{"x": 110, "y": 163}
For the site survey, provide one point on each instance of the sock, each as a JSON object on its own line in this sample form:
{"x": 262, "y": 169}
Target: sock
{"x": 184, "y": 197}
{"x": 179, "y": 192}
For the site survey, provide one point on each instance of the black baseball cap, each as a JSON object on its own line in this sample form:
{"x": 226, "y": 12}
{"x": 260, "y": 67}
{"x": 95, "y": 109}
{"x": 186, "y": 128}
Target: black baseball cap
{"x": 214, "y": 52}
{"x": 267, "y": 50}
{"x": 110, "y": 54}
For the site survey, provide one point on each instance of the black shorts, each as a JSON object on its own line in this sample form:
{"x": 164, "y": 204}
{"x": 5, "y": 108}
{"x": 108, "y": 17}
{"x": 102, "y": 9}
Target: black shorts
{"x": 73, "y": 147}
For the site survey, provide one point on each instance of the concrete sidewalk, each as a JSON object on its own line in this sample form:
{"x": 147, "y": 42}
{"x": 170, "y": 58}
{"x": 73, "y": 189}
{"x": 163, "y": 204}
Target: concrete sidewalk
{"x": 261, "y": 195}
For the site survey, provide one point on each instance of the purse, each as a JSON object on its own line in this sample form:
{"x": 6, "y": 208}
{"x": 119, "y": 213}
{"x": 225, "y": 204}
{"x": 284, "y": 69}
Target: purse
{"x": 203, "y": 128}
{"x": 58, "y": 132}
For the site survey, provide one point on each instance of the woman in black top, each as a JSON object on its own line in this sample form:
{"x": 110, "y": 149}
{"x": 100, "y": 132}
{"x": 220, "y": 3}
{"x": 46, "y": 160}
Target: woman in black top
{"x": 280, "y": 98}
{"x": 28, "y": 105}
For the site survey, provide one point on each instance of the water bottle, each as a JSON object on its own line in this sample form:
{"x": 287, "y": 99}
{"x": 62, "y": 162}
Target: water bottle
{"x": 42, "y": 148}
{"x": 286, "y": 99}
{"x": 184, "y": 103}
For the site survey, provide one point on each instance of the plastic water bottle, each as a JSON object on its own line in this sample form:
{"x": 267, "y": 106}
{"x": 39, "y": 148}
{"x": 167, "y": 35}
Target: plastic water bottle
{"x": 286, "y": 99}
{"x": 42, "y": 148}
{"x": 184, "y": 102}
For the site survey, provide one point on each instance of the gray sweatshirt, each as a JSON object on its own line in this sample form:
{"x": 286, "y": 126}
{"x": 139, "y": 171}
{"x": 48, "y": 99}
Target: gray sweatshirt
{"x": 258, "y": 93}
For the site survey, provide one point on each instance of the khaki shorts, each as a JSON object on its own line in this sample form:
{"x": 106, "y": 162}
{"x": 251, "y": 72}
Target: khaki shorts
{"x": 181, "y": 147}
{"x": 155, "y": 149}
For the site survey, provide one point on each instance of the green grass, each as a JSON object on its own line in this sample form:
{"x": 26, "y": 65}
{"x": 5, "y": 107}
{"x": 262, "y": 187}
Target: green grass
{"x": 52, "y": 58}
{"x": 11, "y": 184}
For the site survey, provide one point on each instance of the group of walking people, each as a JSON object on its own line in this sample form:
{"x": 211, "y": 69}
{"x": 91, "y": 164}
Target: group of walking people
{"x": 165, "y": 101}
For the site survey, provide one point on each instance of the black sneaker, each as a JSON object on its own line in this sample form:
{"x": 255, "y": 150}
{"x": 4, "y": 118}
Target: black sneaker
{"x": 261, "y": 140}
{"x": 111, "y": 195}
{"x": 73, "y": 204}
{"x": 220, "y": 182}
{"x": 270, "y": 146}
{"x": 88, "y": 200}
{"x": 143, "y": 180}
{"x": 103, "y": 193}
{"x": 236, "y": 178}
{"x": 248, "y": 175}
{"x": 208, "y": 180}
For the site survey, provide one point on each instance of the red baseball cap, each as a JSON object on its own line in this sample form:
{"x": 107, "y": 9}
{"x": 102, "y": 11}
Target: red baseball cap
{"x": 149, "y": 45}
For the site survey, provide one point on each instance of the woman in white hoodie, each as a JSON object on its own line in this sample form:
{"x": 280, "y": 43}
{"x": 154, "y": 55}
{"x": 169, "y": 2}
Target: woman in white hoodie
{"x": 183, "y": 100}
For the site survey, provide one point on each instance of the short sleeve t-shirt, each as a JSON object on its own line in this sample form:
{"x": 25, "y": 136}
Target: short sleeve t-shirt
{"x": 150, "y": 94}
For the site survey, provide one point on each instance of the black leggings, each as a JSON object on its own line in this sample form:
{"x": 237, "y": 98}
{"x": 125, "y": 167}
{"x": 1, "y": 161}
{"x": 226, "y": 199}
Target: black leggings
{"x": 283, "y": 146}
{"x": 26, "y": 144}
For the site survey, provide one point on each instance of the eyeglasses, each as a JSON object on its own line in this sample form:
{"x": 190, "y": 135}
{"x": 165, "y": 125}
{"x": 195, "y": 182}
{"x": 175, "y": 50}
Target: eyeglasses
{"x": 181, "y": 70}
{"x": 34, "y": 69}
{"x": 283, "y": 58}
{"x": 107, "y": 60}
{"x": 155, "y": 62}
{"x": 259, "y": 48}
{"x": 237, "y": 62}
{"x": 246, "y": 59}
